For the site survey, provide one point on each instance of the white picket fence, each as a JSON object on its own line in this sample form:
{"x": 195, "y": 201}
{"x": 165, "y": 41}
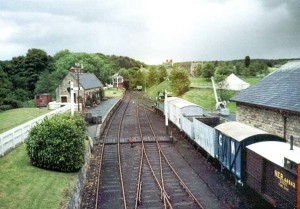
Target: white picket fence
{"x": 17, "y": 135}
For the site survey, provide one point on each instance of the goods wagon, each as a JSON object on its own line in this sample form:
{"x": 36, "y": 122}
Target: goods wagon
{"x": 230, "y": 145}
{"x": 179, "y": 107}
{"x": 273, "y": 171}
{"x": 188, "y": 126}
{"x": 42, "y": 100}
{"x": 205, "y": 134}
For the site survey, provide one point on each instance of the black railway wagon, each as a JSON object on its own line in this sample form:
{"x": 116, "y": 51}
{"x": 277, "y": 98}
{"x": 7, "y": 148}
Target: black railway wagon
{"x": 230, "y": 145}
{"x": 273, "y": 171}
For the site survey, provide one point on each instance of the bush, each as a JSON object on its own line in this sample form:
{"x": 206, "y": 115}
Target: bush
{"x": 5, "y": 107}
{"x": 57, "y": 143}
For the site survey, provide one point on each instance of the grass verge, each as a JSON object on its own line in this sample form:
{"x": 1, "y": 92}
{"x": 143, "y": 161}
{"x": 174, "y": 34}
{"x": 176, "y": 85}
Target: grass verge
{"x": 12, "y": 118}
{"x": 25, "y": 186}
{"x": 113, "y": 92}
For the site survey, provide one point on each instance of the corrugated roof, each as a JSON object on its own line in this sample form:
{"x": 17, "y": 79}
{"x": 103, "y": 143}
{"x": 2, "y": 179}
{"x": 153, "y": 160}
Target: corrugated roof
{"x": 276, "y": 151}
{"x": 280, "y": 90}
{"x": 88, "y": 80}
{"x": 238, "y": 131}
{"x": 180, "y": 103}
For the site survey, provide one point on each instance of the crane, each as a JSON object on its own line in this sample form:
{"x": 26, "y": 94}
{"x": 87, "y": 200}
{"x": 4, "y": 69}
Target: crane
{"x": 221, "y": 106}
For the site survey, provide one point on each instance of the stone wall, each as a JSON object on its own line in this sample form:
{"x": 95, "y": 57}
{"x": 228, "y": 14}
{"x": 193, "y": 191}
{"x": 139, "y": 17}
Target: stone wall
{"x": 269, "y": 121}
{"x": 76, "y": 197}
{"x": 62, "y": 89}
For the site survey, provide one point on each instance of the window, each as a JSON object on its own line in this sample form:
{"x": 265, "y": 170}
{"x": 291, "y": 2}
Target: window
{"x": 290, "y": 165}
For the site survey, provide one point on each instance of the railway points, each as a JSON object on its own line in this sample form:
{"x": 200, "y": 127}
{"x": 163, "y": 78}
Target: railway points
{"x": 154, "y": 171}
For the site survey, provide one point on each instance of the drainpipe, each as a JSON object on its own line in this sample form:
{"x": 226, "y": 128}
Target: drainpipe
{"x": 284, "y": 126}
{"x": 291, "y": 142}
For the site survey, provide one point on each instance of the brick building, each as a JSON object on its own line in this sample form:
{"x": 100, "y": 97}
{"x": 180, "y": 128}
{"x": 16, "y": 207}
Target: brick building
{"x": 273, "y": 104}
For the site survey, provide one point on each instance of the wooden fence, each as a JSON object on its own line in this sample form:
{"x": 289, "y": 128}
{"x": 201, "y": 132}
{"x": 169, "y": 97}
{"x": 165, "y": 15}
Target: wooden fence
{"x": 10, "y": 139}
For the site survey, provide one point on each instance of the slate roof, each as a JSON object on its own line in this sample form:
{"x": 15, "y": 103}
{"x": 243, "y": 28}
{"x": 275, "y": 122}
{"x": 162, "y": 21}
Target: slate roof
{"x": 280, "y": 89}
{"x": 88, "y": 80}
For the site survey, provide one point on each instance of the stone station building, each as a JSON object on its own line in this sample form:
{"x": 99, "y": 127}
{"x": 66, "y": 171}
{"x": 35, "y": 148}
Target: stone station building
{"x": 88, "y": 84}
{"x": 273, "y": 104}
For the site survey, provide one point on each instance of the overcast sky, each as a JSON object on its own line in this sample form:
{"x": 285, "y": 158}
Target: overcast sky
{"x": 153, "y": 30}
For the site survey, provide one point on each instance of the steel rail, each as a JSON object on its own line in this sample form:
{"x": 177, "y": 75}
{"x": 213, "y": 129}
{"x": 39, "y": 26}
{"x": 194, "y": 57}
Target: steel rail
{"x": 138, "y": 190}
{"x": 164, "y": 196}
{"x": 102, "y": 152}
{"x": 119, "y": 155}
{"x": 171, "y": 167}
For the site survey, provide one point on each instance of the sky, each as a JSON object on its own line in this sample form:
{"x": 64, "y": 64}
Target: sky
{"x": 153, "y": 31}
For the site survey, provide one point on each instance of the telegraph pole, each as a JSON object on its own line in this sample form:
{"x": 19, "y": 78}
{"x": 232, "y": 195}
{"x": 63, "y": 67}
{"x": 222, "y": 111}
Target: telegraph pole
{"x": 166, "y": 113}
{"x": 78, "y": 69}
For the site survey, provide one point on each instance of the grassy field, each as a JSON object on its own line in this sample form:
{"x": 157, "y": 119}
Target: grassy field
{"x": 202, "y": 93}
{"x": 251, "y": 80}
{"x": 113, "y": 92}
{"x": 25, "y": 186}
{"x": 12, "y": 118}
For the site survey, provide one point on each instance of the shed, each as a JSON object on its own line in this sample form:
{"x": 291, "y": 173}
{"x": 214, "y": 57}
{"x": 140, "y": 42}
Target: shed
{"x": 230, "y": 144}
{"x": 177, "y": 108}
{"x": 273, "y": 100}
{"x": 273, "y": 171}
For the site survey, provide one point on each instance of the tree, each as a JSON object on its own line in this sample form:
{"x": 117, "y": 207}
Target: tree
{"x": 162, "y": 73}
{"x": 152, "y": 76}
{"x": 222, "y": 72}
{"x": 5, "y": 90}
{"x": 208, "y": 70}
{"x": 179, "y": 79}
{"x": 247, "y": 61}
{"x": 36, "y": 61}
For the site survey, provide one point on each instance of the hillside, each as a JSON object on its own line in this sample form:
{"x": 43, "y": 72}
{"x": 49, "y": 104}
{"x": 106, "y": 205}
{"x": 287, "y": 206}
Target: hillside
{"x": 201, "y": 92}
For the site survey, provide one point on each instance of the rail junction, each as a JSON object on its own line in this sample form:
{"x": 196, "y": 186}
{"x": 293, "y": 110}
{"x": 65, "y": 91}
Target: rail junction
{"x": 139, "y": 166}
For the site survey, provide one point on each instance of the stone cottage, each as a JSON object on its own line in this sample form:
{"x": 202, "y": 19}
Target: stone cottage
{"x": 88, "y": 84}
{"x": 273, "y": 104}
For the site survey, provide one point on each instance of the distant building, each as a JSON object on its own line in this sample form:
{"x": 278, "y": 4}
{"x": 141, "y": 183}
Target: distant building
{"x": 88, "y": 84}
{"x": 193, "y": 70}
{"x": 168, "y": 63}
{"x": 273, "y": 104}
{"x": 117, "y": 81}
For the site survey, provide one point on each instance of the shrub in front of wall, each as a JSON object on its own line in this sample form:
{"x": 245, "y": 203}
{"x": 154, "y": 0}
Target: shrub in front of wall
{"x": 57, "y": 143}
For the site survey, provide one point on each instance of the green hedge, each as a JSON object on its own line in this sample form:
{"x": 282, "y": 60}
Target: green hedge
{"x": 57, "y": 143}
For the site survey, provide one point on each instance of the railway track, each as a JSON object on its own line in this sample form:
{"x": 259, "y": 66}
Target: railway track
{"x": 139, "y": 175}
{"x": 174, "y": 192}
{"x": 110, "y": 187}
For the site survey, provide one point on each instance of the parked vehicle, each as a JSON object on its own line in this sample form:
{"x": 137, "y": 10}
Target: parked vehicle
{"x": 42, "y": 100}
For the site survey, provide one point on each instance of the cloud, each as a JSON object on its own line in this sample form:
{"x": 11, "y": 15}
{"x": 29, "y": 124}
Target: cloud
{"x": 153, "y": 31}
